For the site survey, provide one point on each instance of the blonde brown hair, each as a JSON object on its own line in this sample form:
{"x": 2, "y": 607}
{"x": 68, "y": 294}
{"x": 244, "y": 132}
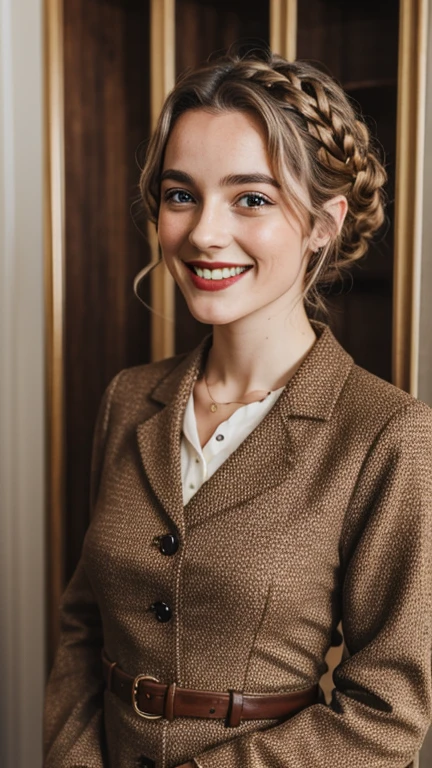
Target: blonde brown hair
{"x": 318, "y": 147}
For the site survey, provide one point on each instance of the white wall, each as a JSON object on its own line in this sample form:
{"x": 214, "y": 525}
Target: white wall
{"x": 21, "y": 384}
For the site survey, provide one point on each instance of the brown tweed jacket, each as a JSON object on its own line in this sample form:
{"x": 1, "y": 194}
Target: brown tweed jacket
{"x": 324, "y": 512}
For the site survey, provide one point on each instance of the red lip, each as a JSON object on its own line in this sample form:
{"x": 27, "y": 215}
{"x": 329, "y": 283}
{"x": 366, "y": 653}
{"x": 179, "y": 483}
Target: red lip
{"x": 214, "y": 285}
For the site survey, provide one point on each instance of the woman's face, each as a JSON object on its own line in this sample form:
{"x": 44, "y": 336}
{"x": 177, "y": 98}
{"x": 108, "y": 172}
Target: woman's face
{"x": 228, "y": 238}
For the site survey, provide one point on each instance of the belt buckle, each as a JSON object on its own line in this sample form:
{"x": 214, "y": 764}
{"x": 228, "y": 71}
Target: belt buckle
{"x": 135, "y": 686}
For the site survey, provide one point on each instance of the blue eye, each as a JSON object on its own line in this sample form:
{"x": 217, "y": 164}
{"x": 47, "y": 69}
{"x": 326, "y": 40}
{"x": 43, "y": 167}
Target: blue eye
{"x": 178, "y": 196}
{"x": 253, "y": 200}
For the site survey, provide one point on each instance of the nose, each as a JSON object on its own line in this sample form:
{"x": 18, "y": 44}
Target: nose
{"x": 211, "y": 227}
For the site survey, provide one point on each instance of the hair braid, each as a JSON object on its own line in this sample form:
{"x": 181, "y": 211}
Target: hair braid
{"x": 346, "y": 147}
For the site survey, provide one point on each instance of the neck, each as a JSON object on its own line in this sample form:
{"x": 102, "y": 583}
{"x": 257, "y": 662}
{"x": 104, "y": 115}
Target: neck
{"x": 260, "y": 354}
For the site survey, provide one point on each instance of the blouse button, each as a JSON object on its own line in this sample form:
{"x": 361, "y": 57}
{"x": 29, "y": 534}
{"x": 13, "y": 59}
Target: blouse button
{"x": 219, "y": 438}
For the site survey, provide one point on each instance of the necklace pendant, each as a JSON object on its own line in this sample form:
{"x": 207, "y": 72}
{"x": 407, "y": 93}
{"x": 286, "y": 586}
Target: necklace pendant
{"x": 213, "y": 407}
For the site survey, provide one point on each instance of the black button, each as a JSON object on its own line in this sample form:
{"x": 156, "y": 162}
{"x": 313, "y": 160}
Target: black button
{"x": 168, "y": 544}
{"x": 219, "y": 438}
{"x": 145, "y": 762}
{"x": 162, "y": 610}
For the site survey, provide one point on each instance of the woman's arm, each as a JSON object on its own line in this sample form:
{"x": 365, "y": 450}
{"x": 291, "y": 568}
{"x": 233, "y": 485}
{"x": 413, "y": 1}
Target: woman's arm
{"x": 73, "y": 723}
{"x": 381, "y": 705}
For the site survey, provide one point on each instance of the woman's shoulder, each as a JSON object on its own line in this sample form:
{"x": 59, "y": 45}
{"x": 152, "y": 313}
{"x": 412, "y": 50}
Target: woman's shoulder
{"x": 128, "y": 399}
{"x": 357, "y": 398}
{"x": 372, "y": 403}
{"x": 133, "y": 388}
{"x": 144, "y": 378}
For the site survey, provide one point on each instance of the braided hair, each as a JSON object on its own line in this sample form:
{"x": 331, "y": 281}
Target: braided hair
{"x": 318, "y": 147}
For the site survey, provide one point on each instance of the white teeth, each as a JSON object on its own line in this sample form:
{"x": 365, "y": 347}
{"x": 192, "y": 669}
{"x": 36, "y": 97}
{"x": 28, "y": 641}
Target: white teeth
{"x": 219, "y": 274}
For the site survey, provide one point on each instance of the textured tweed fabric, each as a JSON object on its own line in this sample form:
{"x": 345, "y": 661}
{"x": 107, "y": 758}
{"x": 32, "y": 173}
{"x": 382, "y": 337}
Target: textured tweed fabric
{"x": 324, "y": 512}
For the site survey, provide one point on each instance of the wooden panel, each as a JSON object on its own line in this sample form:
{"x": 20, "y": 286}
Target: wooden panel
{"x": 202, "y": 28}
{"x": 54, "y": 317}
{"x": 206, "y": 26}
{"x": 162, "y": 68}
{"x": 357, "y": 41}
{"x": 411, "y": 120}
{"x": 106, "y": 118}
{"x": 283, "y": 28}
{"x": 425, "y": 356}
{"x": 358, "y": 44}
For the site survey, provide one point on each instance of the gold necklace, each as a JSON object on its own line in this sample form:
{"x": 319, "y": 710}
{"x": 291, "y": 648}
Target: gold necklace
{"x": 214, "y": 403}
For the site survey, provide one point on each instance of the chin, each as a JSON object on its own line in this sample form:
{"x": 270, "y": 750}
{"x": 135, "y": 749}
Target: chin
{"x": 211, "y": 316}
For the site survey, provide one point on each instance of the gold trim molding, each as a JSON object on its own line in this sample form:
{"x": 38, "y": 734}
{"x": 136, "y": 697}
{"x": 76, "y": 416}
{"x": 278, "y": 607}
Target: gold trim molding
{"x": 283, "y": 28}
{"x": 409, "y": 191}
{"x": 54, "y": 216}
{"x": 162, "y": 73}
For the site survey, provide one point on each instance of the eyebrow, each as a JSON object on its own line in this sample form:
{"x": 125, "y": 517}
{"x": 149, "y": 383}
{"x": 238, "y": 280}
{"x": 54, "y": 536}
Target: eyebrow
{"x": 235, "y": 179}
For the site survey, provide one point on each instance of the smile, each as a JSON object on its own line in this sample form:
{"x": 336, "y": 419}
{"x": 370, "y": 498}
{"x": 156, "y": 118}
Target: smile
{"x": 219, "y": 277}
{"x": 219, "y": 274}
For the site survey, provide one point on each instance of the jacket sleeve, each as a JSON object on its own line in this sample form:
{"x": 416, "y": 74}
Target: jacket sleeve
{"x": 73, "y": 733}
{"x": 381, "y": 705}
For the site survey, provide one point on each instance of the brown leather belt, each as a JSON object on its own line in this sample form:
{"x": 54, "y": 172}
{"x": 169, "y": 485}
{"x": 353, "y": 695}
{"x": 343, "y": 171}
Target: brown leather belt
{"x": 153, "y": 700}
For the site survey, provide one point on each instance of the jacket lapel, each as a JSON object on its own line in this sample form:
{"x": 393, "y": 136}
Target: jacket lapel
{"x": 159, "y": 436}
{"x": 265, "y": 459}
{"x": 254, "y": 468}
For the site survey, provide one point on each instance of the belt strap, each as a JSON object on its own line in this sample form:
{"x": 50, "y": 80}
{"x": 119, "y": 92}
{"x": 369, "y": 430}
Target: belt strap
{"x": 153, "y": 700}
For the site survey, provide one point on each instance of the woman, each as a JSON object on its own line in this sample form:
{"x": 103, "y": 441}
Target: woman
{"x": 248, "y": 496}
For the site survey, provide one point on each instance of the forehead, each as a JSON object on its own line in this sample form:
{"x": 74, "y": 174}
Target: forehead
{"x": 231, "y": 141}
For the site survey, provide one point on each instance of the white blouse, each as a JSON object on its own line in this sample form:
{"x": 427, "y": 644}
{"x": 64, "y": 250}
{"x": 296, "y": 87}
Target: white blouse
{"x": 198, "y": 464}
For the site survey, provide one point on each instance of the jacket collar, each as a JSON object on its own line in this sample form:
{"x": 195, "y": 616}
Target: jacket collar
{"x": 183, "y": 376}
{"x": 310, "y": 395}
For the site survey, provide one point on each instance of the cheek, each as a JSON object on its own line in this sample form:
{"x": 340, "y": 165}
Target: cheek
{"x": 171, "y": 231}
{"x": 272, "y": 242}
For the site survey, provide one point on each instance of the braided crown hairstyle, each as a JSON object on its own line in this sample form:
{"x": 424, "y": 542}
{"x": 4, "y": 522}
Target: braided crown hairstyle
{"x": 318, "y": 149}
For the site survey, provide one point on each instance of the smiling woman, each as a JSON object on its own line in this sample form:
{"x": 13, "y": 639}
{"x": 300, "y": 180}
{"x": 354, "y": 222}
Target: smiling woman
{"x": 219, "y": 220}
{"x": 250, "y": 495}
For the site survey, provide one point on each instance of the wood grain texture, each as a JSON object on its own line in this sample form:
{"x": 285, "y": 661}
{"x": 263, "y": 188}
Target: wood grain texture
{"x": 356, "y": 41}
{"x": 106, "y": 119}
{"x": 358, "y": 44}
{"x": 204, "y": 27}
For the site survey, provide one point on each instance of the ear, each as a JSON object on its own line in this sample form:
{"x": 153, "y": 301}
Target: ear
{"x": 337, "y": 207}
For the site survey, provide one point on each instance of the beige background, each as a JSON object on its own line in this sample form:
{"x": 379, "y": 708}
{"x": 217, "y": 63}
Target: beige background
{"x": 21, "y": 384}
